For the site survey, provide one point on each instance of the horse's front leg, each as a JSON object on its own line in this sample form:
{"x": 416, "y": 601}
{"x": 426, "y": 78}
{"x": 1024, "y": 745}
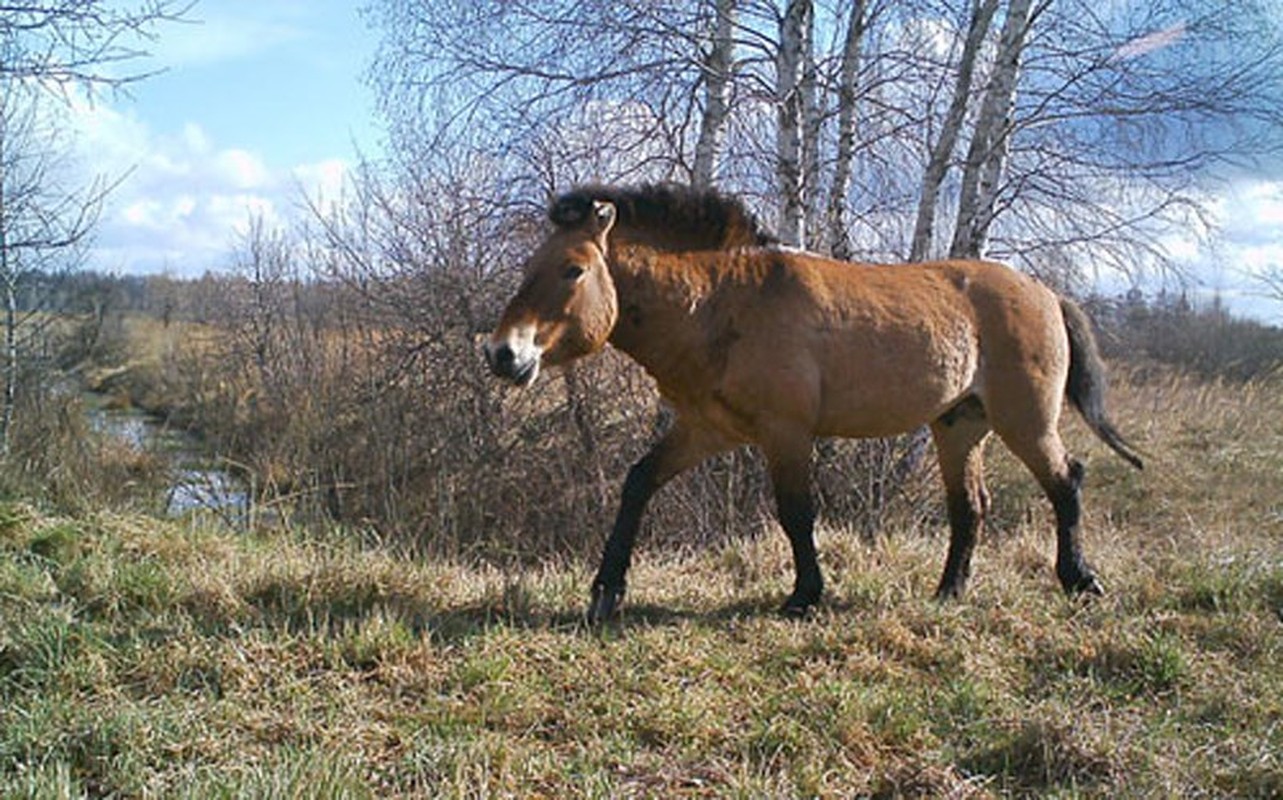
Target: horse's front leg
{"x": 790, "y": 467}
{"x": 681, "y": 448}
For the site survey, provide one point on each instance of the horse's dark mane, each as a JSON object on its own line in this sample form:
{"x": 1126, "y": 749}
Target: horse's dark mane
{"x": 667, "y": 215}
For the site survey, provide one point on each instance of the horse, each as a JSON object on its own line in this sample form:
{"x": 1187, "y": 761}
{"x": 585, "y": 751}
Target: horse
{"x": 754, "y": 343}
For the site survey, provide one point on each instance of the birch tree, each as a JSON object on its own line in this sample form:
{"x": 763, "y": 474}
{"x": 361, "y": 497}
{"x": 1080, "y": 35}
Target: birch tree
{"x": 795, "y": 36}
{"x": 718, "y": 68}
{"x": 1040, "y": 131}
{"x": 941, "y": 155}
{"x": 1106, "y": 127}
{"x": 839, "y": 238}
{"x": 990, "y": 137}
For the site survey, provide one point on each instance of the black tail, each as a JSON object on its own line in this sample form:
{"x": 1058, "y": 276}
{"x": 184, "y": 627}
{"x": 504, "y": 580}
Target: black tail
{"x": 1086, "y": 385}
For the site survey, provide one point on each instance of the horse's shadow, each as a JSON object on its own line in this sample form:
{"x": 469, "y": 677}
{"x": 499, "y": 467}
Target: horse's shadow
{"x": 284, "y": 606}
{"x": 460, "y": 623}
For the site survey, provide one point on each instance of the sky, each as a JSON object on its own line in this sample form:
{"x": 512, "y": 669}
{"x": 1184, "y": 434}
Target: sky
{"x": 259, "y": 102}
{"x": 255, "y": 102}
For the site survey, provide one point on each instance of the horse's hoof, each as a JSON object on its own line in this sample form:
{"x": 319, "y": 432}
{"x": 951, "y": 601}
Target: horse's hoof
{"x": 1086, "y": 586}
{"x": 1092, "y": 586}
{"x": 798, "y": 612}
{"x": 948, "y": 593}
{"x": 798, "y": 607}
{"x": 605, "y": 603}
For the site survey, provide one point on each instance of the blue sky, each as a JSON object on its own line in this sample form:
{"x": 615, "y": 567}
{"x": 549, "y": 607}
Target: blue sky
{"x": 282, "y": 78}
{"x": 257, "y": 103}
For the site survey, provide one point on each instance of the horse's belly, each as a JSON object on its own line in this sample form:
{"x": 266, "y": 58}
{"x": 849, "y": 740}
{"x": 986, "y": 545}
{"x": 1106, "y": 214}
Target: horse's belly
{"x": 874, "y": 419}
{"x": 892, "y": 391}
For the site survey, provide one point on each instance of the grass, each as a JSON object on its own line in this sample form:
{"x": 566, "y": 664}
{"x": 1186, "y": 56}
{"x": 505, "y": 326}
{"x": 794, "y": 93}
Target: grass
{"x": 175, "y": 658}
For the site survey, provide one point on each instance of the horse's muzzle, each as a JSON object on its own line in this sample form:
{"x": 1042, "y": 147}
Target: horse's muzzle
{"x": 507, "y": 363}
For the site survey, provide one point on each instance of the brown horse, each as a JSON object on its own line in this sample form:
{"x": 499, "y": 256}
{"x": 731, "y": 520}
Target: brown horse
{"x": 754, "y": 343}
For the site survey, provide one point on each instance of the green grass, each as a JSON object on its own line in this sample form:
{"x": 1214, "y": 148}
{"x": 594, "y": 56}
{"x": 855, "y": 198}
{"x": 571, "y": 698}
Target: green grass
{"x": 175, "y": 658}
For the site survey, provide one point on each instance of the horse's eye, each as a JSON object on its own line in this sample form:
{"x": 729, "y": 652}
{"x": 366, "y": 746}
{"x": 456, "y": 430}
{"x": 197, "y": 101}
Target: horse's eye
{"x": 573, "y": 273}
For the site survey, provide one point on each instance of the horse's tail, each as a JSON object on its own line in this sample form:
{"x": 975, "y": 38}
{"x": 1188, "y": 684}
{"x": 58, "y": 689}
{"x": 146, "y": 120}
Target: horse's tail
{"x": 1086, "y": 385}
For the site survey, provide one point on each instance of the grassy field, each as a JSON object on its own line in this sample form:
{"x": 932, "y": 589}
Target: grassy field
{"x": 176, "y": 658}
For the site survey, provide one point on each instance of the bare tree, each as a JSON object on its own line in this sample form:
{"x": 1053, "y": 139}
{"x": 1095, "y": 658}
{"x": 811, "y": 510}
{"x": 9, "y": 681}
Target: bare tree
{"x": 1115, "y": 129}
{"x": 1269, "y": 283}
{"x": 66, "y": 44}
{"x": 53, "y": 46}
{"x": 42, "y": 222}
{"x": 598, "y": 78}
{"x": 719, "y": 63}
{"x": 942, "y": 149}
{"x": 839, "y": 238}
{"x": 791, "y": 58}
{"x": 987, "y": 153}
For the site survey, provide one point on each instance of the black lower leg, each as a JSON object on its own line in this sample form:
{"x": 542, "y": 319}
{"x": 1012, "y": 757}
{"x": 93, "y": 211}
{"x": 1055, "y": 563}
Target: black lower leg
{"x": 964, "y": 529}
{"x": 1076, "y": 577}
{"x": 608, "y": 586}
{"x": 797, "y": 516}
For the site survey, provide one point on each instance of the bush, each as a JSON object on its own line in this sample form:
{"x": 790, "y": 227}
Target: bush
{"x": 57, "y": 457}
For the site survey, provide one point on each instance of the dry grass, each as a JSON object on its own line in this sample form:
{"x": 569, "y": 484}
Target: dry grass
{"x": 146, "y": 658}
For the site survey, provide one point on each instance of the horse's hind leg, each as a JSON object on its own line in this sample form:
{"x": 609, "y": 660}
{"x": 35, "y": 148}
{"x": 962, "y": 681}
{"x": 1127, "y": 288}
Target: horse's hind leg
{"x": 960, "y": 437}
{"x": 1061, "y": 477}
{"x": 1065, "y": 492}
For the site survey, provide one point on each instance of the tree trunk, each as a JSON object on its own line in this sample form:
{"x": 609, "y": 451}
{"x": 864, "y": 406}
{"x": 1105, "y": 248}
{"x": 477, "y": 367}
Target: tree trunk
{"x": 982, "y": 12}
{"x": 839, "y": 240}
{"x": 789, "y": 134}
{"x": 10, "y": 306}
{"x": 988, "y": 149}
{"x": 10, "y": 363}
{"x": 718, "y": 67}
{"x": 812, "y": 126}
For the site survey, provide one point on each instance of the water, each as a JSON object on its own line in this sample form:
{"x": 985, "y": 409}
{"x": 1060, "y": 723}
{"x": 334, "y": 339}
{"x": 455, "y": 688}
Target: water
{"x": 205, "y": 488}
{"x": 195, "y": 484}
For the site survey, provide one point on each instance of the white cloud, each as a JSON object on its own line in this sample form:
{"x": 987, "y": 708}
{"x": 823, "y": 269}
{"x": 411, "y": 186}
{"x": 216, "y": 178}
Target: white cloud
{"x": 1149, "y": 42}
{"x": 242, "y": 168}
{"x": 1246, "y": 242}
{"x": 185, "y": 198}
{"x": 195, "y": 139}
{"x": 229, "y": 30}
{"x": 323, "y": 180}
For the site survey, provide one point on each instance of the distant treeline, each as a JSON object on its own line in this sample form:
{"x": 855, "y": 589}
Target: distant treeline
{"x": 161, "y": 296}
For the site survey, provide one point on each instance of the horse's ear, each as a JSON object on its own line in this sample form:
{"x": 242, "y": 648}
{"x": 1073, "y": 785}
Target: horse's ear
{"x": 603, "y": 219}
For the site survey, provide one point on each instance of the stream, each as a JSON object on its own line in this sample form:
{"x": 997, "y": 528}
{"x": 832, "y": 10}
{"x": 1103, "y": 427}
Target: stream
{"x": 195, "y": 482}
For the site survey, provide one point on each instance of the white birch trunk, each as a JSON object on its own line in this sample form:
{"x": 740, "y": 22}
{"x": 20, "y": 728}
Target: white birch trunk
{"x": 839, "y": 240}
{"x": 718, "y": 66}
{"x": 988, "y": 149}
{"x": 10, "y": 350}
{"x": 788, "y": 78}
{"x": 920, "y": 249}
{"x": 7, "y": 266}
{"x": 812, "y": 125}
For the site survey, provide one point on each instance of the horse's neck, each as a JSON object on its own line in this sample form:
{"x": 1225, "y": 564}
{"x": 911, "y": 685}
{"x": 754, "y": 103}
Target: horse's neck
{"x": 658, "y": 306}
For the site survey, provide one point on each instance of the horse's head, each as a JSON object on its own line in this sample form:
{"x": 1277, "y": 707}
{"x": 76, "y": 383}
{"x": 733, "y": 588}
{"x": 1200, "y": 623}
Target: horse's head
{"x": 566, "y": 306}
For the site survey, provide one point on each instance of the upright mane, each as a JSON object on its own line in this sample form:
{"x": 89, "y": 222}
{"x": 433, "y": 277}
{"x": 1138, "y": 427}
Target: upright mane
{"x": 668, "y": 216}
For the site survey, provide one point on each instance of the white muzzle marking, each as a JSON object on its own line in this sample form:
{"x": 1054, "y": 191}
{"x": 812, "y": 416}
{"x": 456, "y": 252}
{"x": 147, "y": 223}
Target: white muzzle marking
{"x": 516, "y": 357}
